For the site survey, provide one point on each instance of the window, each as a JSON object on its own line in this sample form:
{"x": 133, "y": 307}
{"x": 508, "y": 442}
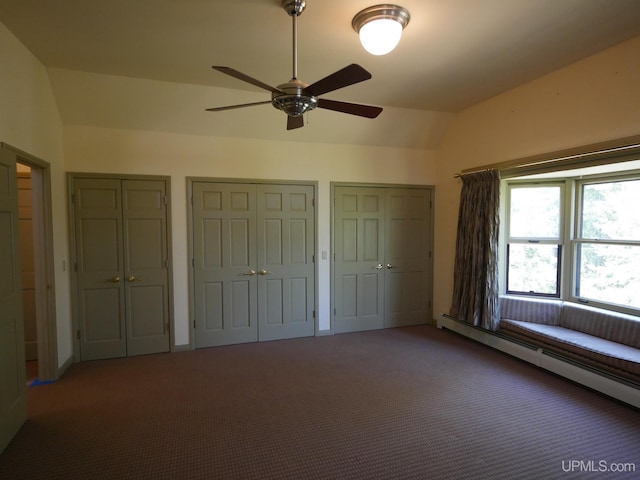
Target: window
{"x": 575, "y": 238}
{"x": 534, "y": 245}
{"x": 607, "y": 241}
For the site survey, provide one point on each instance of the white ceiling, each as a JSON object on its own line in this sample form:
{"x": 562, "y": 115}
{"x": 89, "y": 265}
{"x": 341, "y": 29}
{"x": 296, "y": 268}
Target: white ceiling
{"x": 453, "y": 53}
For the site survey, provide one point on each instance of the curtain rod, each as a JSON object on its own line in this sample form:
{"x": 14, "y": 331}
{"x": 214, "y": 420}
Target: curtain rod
{"x": 617, "y": 147}
{"x": 472, "y": 170}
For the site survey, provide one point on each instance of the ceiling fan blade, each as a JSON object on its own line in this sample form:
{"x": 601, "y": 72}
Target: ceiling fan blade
{"x": 342, "y": 78}
{"x": 294, "y": 122}
{"x": 231, "y": 107}
{"x": 367, "y": 111}
{"x": 246, "y": 78}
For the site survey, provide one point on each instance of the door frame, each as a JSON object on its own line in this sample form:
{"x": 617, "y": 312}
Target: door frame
{"x": 431, "y": 219}
{"x": 46, "y": 324}
{"x": 75, "y": 316}
{"x": 190, "y": 251}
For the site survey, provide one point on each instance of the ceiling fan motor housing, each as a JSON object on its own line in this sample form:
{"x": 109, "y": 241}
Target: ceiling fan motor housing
{"x": 294, "y": 102}
{"x": 294, "y": 7}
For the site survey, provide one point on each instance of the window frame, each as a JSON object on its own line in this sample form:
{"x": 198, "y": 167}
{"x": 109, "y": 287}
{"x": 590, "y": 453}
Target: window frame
{"x": 577, "y": 240}
{"x": 559, "y": 241}
{"x": 570, "y": 217}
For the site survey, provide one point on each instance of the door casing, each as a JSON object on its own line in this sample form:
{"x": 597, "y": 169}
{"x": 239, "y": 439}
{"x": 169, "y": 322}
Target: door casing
{"x": 48, "y": 368}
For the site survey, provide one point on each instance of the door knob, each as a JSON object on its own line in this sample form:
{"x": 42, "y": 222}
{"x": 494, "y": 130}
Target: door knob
{"x": 379, "y": 267}
{"x": 131, "y": 278}
{"x": 250, "y": 273}
{"x": 264, "y": 272}
{"x": 389, "y": 266}
{"x": 115, "y": 279}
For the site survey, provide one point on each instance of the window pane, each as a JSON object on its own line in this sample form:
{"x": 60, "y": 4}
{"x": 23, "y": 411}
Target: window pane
{"x": 609, "y": 273}
{"x": 535, "y": 212}
{"x": 533, "y": 269}
{"x": 610, "y": 211}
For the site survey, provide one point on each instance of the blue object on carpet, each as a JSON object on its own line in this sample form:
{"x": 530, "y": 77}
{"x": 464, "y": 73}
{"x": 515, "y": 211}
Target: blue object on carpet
{"x": 37, "y": 382}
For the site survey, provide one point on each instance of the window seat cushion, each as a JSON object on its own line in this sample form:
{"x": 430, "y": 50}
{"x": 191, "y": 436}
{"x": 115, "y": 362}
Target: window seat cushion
{"x": 614, "y": 326}
{"x": 534, "y": 310}
{"x": 617, "y": 358}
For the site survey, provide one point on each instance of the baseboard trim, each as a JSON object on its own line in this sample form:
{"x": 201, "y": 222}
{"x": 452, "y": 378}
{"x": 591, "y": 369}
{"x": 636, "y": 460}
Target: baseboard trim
{"x": 65, "y": 366}
{"x": 619, "y": 389}
{"x": 181, "y": 348}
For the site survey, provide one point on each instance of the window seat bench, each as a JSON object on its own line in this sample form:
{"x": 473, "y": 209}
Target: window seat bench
{"x": 602, "y": 339}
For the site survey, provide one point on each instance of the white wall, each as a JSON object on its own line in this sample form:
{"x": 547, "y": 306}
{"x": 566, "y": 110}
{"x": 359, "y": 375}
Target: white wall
{"x": 594, "y": 100}
{"x": 591, "y": 101}
{"x": 107, "y": 150}
{"x": 29, "y": 121}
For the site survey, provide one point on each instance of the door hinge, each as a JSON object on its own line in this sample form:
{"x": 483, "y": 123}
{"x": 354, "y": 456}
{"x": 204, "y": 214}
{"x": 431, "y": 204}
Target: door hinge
{"x": 166, "y": 263}
{"x": 313, "y": 259}
{"x": 78, "y": 334}
{"x": 165, "y": 200}
{"x": 73, "y": 198}
{"x": 314, "y": 314}
{"x": 75, "y": 266}
{"x": 334, "y": 312}
{"x": 194, "y": 324}
{"x": 313, "y": 202}
{"x": 429, "y": 253}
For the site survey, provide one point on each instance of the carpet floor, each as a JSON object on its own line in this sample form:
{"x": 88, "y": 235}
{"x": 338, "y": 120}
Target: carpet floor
{"x": 406, "y": 403}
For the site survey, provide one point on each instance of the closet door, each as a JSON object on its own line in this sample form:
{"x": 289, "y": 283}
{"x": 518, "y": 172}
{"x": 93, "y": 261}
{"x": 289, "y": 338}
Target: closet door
{"x": 285, "y": 261}
{"x": 253, "y": 270}
{"x": 145, "y": 266}
{"x": 121, "y": 267}
{"x": 382, "y": 269}
{"x": 407, "y": 256}
{"x": 99, "y": 268}
{"x": 225, "y": 266}
{"x": 359, "y": 257}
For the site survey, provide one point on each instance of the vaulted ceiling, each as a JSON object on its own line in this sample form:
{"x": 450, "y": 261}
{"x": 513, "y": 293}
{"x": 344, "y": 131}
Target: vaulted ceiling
{"x": 453, "y": 53}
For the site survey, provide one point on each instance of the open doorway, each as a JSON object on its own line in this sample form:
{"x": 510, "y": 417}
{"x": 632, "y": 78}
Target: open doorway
{"x": 28, "y": 263}
{"x": 36, "y": 251}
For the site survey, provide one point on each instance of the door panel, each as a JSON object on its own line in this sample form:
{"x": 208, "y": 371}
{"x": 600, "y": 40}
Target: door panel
{"x": 122, "y": 267}
{"x": 253, "y": 262}
{"x": 146, "y": 266}
{"x": 407, "y": 250}
{"x": 225, "y": 283}
{"x": 359, "y": 244}
{"x": 382, "y": 257}
{"x": 13, "y": 395}
{"x": 99, "y": 260}
{"x": 286, "y": 239}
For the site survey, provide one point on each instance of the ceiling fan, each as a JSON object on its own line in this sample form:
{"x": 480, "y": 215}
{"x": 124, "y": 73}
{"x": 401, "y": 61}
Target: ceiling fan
{"x": 294, "y": 97}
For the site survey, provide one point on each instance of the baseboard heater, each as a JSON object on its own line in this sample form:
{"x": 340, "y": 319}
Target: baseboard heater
{"x": 610, "y": 385}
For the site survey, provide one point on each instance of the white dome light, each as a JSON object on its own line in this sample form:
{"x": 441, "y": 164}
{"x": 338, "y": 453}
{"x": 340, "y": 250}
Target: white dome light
{"x": 380, "y": 27}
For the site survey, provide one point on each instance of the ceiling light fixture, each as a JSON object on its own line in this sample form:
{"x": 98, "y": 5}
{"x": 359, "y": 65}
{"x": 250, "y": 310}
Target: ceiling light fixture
{"x": 380, "y": 27}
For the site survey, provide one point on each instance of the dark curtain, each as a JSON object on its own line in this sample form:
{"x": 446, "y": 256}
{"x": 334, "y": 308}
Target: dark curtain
{"x": 475, "y": 275}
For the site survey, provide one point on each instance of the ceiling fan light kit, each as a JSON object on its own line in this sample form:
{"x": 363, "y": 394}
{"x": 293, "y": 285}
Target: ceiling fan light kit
{"x": 294, "y": 97}
{"x": 380, "y": 27}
